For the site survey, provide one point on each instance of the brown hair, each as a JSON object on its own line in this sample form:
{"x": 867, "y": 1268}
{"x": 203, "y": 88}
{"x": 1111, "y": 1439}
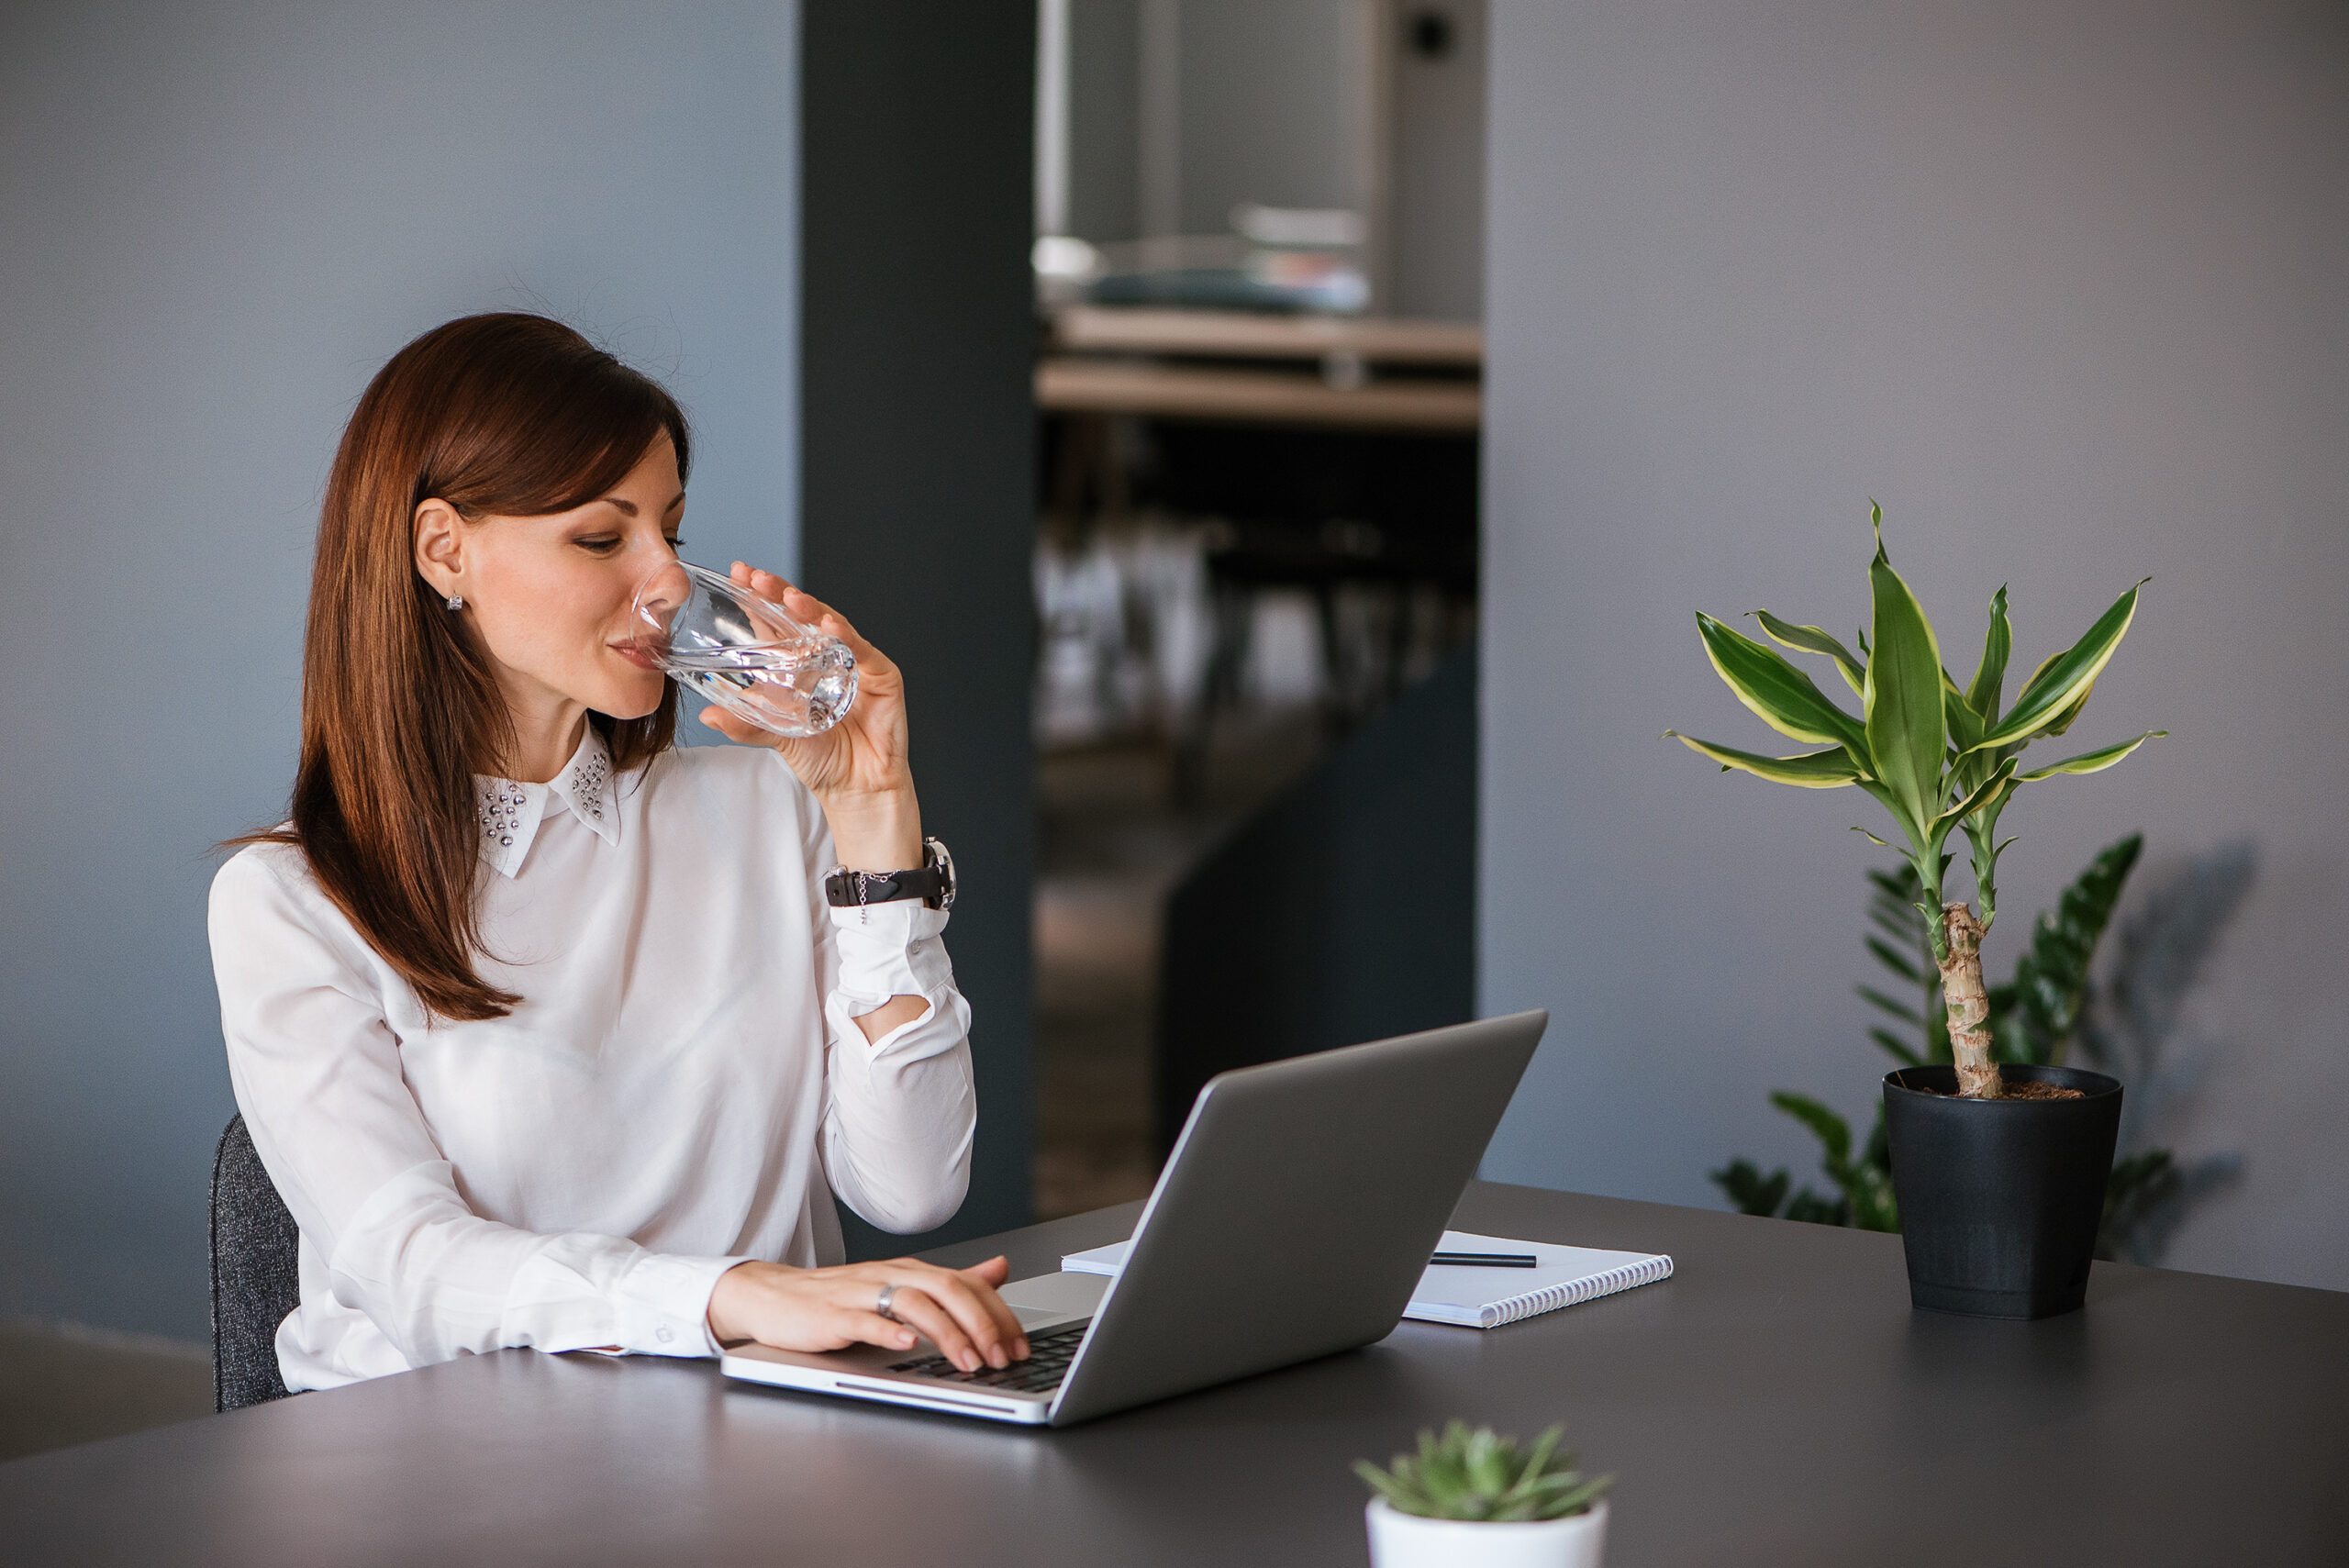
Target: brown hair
{"x": 506, "y": 415}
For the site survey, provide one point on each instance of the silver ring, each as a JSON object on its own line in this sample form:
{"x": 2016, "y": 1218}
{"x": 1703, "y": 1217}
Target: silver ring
{"x": 888, "y": 1294}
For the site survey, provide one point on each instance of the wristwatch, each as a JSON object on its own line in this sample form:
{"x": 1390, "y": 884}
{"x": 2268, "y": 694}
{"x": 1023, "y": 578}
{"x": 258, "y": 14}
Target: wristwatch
{"x": 933, "y": 882}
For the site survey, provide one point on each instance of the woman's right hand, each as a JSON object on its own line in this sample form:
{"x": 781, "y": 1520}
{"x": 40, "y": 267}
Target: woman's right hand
{"x": 829, "y": 1309}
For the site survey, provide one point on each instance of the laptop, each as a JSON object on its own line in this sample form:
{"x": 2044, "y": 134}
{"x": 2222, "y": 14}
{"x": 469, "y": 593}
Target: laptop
{"x": 1292, "y": 1221}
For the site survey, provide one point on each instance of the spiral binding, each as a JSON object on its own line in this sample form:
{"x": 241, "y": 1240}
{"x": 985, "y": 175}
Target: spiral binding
{"x": 1572, "y": 1293}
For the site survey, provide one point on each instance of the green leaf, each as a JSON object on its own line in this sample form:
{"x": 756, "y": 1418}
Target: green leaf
{"x": 1578, "y": 1499}
{"x": 1892, "y": 884}
{"x": 1781, "y": 696}
{"x": 2139, "y": 1185}
{"x": 2062, "y": 681}
{"x": 1907, "y": 735}
{"x": 2070, "y": 716}
{"x": 1482, "y": 1475}
{"x": 1982, "y": 834}
{"x": 2052, "y": 975}
{"x": 1978, "y": 799}
{"x": 1831, "y": 768}
{"x": 1813, "y": 1209}
{"x": 2088, "y": 762}
{"x": 1965, "y": 724}
{"x": 1886, "y": 1003}
{"x": 1869, "y": 1191}
{"x": 1879, "y": 1149}
{"x": 1488, "y": 1467}
{"x": 1400, "y": 1494}
{"x": 1914, "y": 831}
{"x": 1537, "y": 1461}
{"x": 1990, "y": 675}
{"x": 1834, "y": 1134}
{"x": 1895, "y": 922}
{"x": 1813, "y": 640}
{"x": 1893, "y": 959}
{"x": 1748, "y": 1190}
{"x": 1896, "y": 1048}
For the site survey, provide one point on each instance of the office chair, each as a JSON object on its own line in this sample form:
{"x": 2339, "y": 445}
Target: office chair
{"x": 256, "y": 1281}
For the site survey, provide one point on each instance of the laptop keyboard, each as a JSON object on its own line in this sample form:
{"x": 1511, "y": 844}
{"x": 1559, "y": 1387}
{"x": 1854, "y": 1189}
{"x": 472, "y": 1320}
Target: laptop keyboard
{"x": 1049, "y": 1354}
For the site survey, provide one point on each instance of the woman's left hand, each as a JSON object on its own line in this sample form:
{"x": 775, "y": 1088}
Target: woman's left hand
{"x": 858, "y": 770}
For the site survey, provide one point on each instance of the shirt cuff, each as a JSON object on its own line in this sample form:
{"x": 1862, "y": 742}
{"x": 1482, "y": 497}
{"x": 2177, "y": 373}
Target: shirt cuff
{"x": 663, "y": 1304}
{"x": 891, "y": 950}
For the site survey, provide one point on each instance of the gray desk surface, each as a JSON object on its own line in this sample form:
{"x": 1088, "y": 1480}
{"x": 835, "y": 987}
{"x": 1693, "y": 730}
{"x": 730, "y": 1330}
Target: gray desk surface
{"x": 1776, "y": 1402}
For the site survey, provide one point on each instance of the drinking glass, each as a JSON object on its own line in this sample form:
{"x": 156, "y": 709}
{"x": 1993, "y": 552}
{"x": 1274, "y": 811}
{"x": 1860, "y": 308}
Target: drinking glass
{"x": 707, "y": 632}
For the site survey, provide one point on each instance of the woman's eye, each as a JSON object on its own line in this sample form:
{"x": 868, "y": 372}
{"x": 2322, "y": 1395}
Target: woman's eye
{"x": 601, "y": 545}
{"x": 676, "y": 541}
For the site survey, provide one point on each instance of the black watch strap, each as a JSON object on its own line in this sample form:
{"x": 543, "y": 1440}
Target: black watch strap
{"x": 932, "y": 882}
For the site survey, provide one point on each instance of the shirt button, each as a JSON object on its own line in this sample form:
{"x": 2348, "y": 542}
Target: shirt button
{"x": 665, "y": 1336}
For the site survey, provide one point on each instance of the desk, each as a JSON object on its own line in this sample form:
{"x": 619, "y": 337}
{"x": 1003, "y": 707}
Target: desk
{"x": 1775, "y": 1403}
{"x": 1070, "y": 385}
{"x": 1251, "y": 335}
{"x": 1072, "y": 380}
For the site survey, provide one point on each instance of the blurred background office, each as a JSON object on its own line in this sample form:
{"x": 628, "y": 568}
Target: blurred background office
{"x": 1259, "y": 259}
{"x": 1285, "y": 441}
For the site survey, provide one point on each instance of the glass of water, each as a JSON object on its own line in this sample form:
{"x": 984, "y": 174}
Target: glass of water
{"x": 711, "y": 633}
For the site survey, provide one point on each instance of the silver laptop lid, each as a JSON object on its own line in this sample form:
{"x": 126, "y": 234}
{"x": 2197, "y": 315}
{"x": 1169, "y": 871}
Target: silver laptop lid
{"x": 1298, "y": 1211}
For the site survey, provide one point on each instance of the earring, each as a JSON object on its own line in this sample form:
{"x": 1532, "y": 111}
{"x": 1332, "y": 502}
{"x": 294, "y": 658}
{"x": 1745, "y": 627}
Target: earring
{"x": 456, "y": 601}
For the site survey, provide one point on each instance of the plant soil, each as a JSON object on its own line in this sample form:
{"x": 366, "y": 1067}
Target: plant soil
{"x": 2013, "y": 1089}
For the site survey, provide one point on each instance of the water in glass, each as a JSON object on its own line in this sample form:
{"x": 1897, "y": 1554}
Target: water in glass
{"x": 713, "y": 635}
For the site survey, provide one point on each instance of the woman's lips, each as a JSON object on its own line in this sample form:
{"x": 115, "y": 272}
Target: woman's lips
{"x": 634, "y": 655}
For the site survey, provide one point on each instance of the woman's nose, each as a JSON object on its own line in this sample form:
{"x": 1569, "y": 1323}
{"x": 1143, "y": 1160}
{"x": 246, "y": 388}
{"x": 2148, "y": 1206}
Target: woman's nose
{"x": 664, "y": 588}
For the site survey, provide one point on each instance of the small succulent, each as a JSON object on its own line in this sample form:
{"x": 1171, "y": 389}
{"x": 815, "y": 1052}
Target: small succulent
{"x": 1479, "y": 1475}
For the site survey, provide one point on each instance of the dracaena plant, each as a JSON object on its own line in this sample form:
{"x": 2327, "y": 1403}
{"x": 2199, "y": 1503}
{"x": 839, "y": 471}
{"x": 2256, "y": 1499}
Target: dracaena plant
{"x": 1941, "y": 757}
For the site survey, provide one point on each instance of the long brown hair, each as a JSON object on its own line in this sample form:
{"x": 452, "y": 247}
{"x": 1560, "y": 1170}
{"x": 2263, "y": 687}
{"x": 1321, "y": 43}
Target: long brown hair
{"x": 504, "y": 415}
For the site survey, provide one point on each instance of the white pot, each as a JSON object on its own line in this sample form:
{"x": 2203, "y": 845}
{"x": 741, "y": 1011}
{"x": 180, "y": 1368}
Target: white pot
{"x": 1405, "y": 1541}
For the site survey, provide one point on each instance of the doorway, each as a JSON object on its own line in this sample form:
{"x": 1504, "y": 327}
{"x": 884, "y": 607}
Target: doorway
{"x": 1258, "y": 270}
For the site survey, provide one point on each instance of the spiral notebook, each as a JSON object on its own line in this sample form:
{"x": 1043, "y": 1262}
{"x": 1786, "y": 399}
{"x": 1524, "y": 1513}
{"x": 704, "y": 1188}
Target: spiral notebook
{"x": 1483, "y": 1298}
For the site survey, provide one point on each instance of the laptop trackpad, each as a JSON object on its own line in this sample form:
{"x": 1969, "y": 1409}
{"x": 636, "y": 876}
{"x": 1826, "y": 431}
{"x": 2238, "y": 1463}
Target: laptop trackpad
{"x": 1048, "y": 1297}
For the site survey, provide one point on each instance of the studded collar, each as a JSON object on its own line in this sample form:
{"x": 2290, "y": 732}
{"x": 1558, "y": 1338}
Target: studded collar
{"x": 511, "y": 813}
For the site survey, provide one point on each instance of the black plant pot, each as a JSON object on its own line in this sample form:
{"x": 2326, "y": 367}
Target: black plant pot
{"x": 1999, "y": 1200}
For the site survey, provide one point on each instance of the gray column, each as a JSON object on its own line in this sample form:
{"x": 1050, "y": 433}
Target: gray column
{"x": 916, "y": 484}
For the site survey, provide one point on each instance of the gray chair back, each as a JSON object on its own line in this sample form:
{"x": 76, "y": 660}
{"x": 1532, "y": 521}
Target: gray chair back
{"x": 256, "y": 1277}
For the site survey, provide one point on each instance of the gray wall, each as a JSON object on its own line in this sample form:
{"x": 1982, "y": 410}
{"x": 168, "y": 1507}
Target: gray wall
{"x": 2061, "y": 287}
{"x": 1439, "y": 166}
{"x": 1266, "y": 110}
{"x": 1269, "y": 113}
{"x": 216, "y": 221}
{"x": 1269, "y": 108}
{"x": 1104, "y": 82}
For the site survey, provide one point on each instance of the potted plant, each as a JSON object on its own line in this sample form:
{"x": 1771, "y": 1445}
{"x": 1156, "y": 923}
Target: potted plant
{"x": 1474, "y": 1498}
{"x": 1999, "y": 1173}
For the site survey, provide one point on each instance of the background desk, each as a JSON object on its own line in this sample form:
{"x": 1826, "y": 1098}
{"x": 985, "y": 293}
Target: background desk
{"x": 1212, "y": 364}
{"x": 1776, "y": 1402}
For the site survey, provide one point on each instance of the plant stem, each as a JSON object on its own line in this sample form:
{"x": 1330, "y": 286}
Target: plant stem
{"x": 1968, "y": 1004}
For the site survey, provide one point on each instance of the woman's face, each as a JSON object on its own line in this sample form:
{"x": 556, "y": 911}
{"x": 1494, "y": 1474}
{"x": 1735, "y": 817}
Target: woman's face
{"x": 549, "y": 595}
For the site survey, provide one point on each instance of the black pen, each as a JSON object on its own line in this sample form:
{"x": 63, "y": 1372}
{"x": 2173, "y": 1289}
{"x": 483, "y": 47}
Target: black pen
{"x": 1487, "y": 1260}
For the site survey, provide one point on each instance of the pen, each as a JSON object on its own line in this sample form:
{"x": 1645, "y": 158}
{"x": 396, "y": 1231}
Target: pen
{"x": 1487, "y": 1260}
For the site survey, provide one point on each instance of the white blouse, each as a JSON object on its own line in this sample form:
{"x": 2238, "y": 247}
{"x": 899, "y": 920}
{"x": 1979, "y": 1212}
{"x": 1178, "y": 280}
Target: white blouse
{"x": 683, "y": 1086}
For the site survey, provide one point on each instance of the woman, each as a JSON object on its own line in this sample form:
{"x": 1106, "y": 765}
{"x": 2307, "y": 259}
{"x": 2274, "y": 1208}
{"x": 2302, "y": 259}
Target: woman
{"x": 545, "y": 1029}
